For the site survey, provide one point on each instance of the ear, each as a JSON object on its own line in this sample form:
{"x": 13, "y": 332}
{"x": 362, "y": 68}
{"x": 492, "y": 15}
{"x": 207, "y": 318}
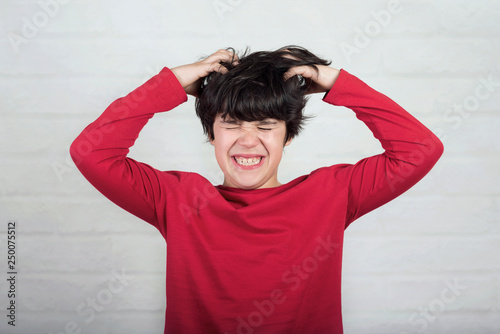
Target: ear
{"x": 288, "y": 142}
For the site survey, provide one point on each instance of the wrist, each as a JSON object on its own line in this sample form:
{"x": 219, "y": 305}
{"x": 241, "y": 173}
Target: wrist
{"x": 330, "y": 78}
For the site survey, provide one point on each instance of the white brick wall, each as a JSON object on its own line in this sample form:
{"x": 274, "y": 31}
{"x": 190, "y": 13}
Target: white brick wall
{"x": 74, "y": 57}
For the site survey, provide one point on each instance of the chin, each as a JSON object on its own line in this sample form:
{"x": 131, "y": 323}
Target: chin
{"x": 247, "y": 185}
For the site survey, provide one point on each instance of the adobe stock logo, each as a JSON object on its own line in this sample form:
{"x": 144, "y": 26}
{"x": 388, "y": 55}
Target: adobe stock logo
{"x": 420, "y": 320}
{"x": 373, "y": 28}
{"x": 39, "y": 20}
{"x": 294, "y": 278}
{"x": 223, "y": 6}
{"x": 96, "y": 303}
{"x": 471, "y": 103}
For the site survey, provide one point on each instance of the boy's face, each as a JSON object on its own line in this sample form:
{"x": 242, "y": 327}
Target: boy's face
{"x": 249, "y": 152}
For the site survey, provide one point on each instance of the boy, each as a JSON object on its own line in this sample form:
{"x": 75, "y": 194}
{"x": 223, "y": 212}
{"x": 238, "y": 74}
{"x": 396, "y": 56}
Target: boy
{"x": 253, "y": 255}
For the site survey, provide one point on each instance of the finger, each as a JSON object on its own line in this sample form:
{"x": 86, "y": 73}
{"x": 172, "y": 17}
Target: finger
{"x": 304, "y": 71}
{"x": 217, "y": 67}
{"x": 290, "y": 73}
{"x": 232, "y": 58}
{"x": 222, "y": 55}
{"x": 222, "y": 69}
{"x": 214, "y": 61}
{"x": 236, "y": 60}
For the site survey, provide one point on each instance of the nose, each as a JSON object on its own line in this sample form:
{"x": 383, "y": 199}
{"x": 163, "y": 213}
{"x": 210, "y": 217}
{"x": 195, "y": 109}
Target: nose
{"x": 248, "y": 138}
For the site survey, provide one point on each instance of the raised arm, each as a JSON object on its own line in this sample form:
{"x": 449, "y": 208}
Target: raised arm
{"x": 100, "y": 151}
{"x": 410, "y": 149}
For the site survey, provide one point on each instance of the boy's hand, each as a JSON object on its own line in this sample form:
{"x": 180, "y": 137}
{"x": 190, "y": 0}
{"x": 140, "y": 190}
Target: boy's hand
{"x": 190, "y": 75}
{"x": 320, "y": 81}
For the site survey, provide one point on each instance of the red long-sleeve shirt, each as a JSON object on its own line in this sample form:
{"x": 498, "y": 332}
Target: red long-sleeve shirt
{"x": 263, "y": 260}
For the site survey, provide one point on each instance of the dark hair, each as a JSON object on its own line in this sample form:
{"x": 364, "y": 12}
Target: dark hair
{"x": 254, "y": 89}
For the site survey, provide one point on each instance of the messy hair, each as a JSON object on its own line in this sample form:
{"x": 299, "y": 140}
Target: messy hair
{"x": 254, "y": 89}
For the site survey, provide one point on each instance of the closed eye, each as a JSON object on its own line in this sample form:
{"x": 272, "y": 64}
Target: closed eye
{"x": 265, "y": 129}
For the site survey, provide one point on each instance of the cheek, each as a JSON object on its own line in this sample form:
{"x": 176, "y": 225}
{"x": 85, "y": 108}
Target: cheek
{"x": 278, "y": 139}
{"x": 222, "y": 143}
{"x": 274, "y": 145}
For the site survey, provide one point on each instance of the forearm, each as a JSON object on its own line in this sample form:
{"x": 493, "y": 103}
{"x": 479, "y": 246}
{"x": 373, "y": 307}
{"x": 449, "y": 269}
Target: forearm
{"x": 410, "y": 149}
{"x": 402, "y": 136}
{"x": 100, "y": 151}
{"x": 119, "y": 125}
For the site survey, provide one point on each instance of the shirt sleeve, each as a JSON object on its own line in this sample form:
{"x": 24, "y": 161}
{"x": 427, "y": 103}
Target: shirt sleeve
{"x": 100, "y": 151}
{"x": 410, "y": 149}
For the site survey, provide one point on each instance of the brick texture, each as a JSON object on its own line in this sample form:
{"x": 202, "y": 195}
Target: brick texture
{"x": 428, "y": 262}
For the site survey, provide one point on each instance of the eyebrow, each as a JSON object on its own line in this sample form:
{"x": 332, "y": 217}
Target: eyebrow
{"x": 229, "y": 121}
{"x": 267, "y": 122}
{"x": 263, "y": 122}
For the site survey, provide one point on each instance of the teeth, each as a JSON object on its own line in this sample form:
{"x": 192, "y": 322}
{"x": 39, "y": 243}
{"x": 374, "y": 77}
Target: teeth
{"x": 248, "y": 162}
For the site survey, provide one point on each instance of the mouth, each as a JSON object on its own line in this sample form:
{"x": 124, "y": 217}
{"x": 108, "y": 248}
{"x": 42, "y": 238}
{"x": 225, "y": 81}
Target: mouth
{"x": 248, "y": 162}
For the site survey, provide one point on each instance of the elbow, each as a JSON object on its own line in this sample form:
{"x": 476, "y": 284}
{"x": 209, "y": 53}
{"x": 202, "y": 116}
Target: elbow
{"x": 72, "y": 149}
{"x": 433, "y": 149}
{"x": 437, "y": 148}
{"x": 78, "y": 150}
{"x": 441, "y": 148}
